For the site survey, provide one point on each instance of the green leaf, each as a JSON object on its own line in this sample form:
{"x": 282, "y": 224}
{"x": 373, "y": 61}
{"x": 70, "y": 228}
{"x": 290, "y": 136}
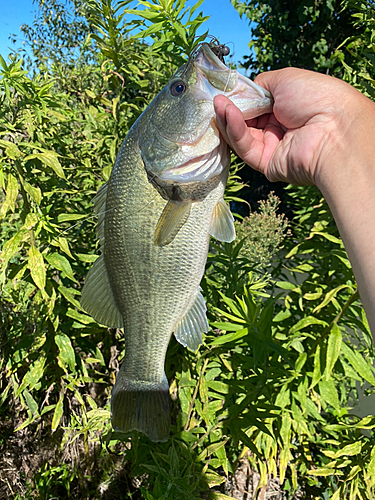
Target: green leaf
{"x": 11, "y": 150}
{"x": 328, "y": 236}
{"x": 218, "y": 386}
{"x": 12, "y": 246}
{"x": 300, "y": 363}
{"x": 82, "y": 318}
{"x": 359, "y": 363}
{"x": 67, "y": 355}
{"x": 180, "y": 30}
{"x": 248, "y": 442}
{"x": 285, "y": 434}
{"x": 90, "y": 93}
{"x": 83, "y": 257}
{"x": 3, "y": 63}
{"x": 333, "y": 349}
{"x": 283, "y": 397}
{"x": 31, "y": 403}
{"x": 285, "y": 285}
{"x": 57, "y": 414}
{"x": 50, "y": 159}
{"x": 328, "y": 393}
{"x": 64, "y": 245}
{"x": 285, "y": 431}
{"x": 69, "y": 294}
{"x": 307, "y": 321}
{"x": 153, "y": 29}
{"x": 66, "y": 217}
{"x": 349, "y": 450}
{"x": 32, "y": 376}
{"x": 34, "y": 192}
{"x": 224, "y": 339}
{"x": 11, "y": 196}
{"x": 62, "y": 264}
{"x": 281, "y": 315}
{"x": 371, "y": 469}
{"x": 212, "y": 448}
{"x": 37, "y": 267}
{"x": 292, "y": 252}
{"x": 317, "y": 375}
{"x": 227, "y": 327}
{"x": 329, "y": 296}
{"x": 324, "y": 471}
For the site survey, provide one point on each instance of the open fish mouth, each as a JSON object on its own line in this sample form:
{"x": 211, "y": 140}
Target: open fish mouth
{"x": 215, "y": 78}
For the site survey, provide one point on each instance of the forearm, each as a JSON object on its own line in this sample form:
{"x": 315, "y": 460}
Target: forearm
{"x": 347, "y": 181}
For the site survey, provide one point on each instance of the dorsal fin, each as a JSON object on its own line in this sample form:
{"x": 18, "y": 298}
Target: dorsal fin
{"x": 189, "y": 330}
{"x": 97, "y": 296}
{"x": 99, "y": 209}
{"x": 222, "y": 223}
{"x": 173, "y": 217}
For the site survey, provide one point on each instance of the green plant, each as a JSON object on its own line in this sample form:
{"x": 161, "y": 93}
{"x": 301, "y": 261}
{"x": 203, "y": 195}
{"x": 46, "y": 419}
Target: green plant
{"x": 357, "y": 51}
{"x": 302, "y": 34}
{"x": 289, "y": 344}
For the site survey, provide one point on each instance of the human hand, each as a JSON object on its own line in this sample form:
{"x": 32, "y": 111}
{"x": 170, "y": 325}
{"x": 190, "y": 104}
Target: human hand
{"x": 322, "y": 132}
{"x": 308, "y": 130}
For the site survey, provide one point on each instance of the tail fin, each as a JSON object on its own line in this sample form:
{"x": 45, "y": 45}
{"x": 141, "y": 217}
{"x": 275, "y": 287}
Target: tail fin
{"x": 141, "y": 405}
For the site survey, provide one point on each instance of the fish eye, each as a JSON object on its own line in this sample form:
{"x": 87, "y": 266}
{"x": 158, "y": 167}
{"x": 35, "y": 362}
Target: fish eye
{"x": 178, "y": 88}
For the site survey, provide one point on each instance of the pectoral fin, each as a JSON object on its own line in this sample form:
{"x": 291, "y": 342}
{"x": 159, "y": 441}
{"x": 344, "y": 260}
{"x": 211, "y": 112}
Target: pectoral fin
{"x": 174, "y": 216}
{"x": 222, "y": 224}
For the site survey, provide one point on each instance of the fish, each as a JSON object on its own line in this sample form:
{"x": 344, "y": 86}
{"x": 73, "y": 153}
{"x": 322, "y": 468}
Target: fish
{"x": 156, "y": 213}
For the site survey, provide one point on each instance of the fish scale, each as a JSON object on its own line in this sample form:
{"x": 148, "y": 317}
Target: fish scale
{"x": 155, "y": 231}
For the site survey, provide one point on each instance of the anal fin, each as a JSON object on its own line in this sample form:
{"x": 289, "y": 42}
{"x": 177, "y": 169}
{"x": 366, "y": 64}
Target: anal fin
{"x": 189, "y": 330}
{"x": 222, "y": 223}
{"x": 173, "y": 217}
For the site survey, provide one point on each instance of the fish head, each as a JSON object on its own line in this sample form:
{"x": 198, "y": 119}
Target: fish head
{"x": 180, "y": 141}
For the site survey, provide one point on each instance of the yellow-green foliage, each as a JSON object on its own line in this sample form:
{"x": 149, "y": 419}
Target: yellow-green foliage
{"x": 289, "y": 345}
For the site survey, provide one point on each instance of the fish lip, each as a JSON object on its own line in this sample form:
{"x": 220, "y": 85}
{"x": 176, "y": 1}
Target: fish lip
{"x": 213, "y": 61}
{"x": 262, "y": 91}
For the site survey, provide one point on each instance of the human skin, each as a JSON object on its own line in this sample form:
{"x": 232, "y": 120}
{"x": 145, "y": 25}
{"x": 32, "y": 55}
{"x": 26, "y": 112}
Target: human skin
{"x": 322, "y": 132}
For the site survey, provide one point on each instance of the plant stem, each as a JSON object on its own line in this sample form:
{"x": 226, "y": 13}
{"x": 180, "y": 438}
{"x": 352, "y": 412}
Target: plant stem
{"x": 26, "y": 204}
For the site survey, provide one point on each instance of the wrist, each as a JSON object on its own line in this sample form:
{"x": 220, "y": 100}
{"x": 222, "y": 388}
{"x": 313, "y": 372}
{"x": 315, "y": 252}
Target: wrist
{"x": 347, "y": 159}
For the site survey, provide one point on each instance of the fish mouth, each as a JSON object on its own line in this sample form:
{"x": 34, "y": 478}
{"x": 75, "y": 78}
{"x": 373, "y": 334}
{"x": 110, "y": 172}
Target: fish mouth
{"x": 215, "y": 78}
{"x": 206, "y": 58}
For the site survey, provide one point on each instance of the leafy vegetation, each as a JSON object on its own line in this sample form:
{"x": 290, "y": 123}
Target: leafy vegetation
{"x": 291, "y": 33}
{"x": 289, "y": 348}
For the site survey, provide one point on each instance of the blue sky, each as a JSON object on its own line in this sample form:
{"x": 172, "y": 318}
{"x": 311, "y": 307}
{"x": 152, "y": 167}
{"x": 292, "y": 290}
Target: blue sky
{"x": 224, "y": 23}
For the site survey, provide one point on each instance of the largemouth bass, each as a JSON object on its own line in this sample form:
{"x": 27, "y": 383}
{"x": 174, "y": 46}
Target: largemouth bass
{"x": 156, "y": 213}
